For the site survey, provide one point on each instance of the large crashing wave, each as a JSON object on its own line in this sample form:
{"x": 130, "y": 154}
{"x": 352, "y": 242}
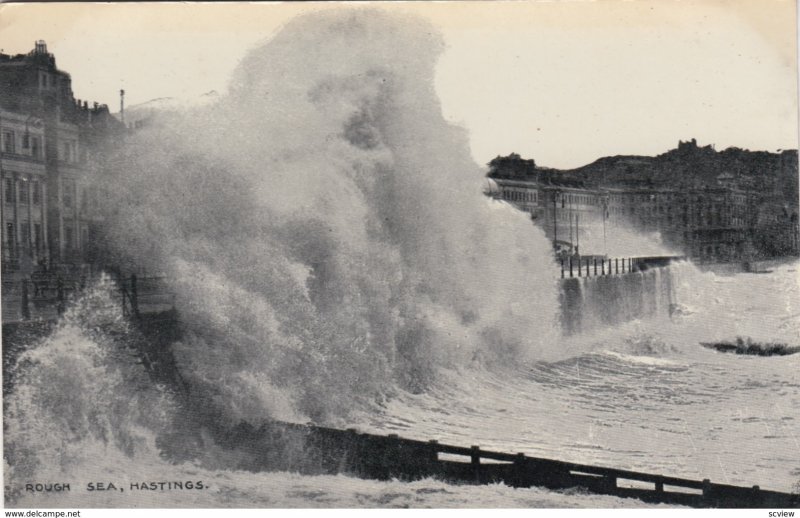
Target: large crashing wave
{"x": 325, "y": 230}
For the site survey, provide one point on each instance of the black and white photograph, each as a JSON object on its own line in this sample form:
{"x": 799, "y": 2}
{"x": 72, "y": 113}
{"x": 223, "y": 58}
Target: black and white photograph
{"x": 423, "y": 255}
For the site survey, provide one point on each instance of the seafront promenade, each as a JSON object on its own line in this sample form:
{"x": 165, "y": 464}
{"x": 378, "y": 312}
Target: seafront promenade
{"x": 44, "y": 296}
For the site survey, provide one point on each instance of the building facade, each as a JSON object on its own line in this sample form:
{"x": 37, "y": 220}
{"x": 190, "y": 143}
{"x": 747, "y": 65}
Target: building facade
{"x": 23, "y": 191}
{"x": 712, "y": 224}
{"x": 52, "y": 144}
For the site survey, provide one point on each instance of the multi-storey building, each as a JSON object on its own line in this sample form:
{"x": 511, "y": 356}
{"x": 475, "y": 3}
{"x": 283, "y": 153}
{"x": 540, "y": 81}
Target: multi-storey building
{"x": 51, "y": 142}
{"x": 707, "y": 223}
{"x": 23, "y": 190}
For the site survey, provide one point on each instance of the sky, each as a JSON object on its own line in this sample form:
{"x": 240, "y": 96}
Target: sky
{"x": 562, "y": 82}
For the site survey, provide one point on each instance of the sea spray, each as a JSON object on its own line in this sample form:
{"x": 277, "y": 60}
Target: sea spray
{"x": 325, "y": 231}
{"x": 79, "y": 396}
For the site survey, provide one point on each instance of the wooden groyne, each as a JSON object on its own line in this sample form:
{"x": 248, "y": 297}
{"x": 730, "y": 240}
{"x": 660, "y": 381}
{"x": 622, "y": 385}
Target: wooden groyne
{"x": 310, "y": 449}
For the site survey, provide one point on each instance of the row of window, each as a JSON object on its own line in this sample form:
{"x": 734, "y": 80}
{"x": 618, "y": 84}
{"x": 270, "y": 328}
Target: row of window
{"x": 714, "y": 211}
{"x": 24, "y": 235}
{"x": 15, "y": 241}
{"x": 69, "y": 196}
{"x": 687, "y": 219}
{"x": 578, "y": 198}
{"x": 30, "y": 145}
{"x": 23, "y": 191}
{"x": 524, "y": 196}
{"x": 616, "y": 199}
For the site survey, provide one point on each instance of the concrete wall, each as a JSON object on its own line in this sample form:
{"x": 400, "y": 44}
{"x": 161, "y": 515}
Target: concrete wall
{"x": 589, "y": 303}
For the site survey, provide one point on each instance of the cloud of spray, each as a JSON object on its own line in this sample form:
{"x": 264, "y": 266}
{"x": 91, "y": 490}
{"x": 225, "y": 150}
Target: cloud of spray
{"x": 622, "y": 241}
{"x": 325, "y": 230}
{"x": 614, "y": 238}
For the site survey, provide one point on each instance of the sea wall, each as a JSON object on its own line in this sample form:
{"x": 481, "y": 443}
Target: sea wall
{"x": 149, "y": 340}
{"x": 589, "y": 303}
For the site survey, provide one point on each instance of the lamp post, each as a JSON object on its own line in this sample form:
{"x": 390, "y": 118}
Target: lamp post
{"x": 578, "y": 231}
{"x": 556, "y": 194}
{"x": 2, "y": 201}
{"x": 605, "y": 215}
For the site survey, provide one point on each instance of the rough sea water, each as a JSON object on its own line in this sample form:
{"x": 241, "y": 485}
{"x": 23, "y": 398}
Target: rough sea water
{"x": 335, "y": 261}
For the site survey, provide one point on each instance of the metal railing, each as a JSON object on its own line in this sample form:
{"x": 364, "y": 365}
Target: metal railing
{"x": 577, "y": 266}
{"x": 593, "y": 267}
{"x": 45, "y": 296}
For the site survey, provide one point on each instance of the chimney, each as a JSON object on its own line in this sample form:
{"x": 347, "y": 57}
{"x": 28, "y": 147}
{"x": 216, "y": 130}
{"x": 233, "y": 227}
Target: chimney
{"x": 40, "y": 47}
{"x": 122, "y": 106}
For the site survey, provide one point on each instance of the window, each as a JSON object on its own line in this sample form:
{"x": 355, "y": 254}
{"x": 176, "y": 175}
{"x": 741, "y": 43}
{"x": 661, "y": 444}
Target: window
{"x": 10, "y": 235}
{"x": 67, "y": 195}
{"x": 24, "y": 233}
{"x": 9, "y": 188}
{"x": 68, "y": 151}
{"x": 23, "y": 191}
{"x": 37, "y": 236}
{"x": 26, "y": 140}
{"x": 8, "y": 141}
{"x": 37, "y": 192}
{"x": 68, "y": 238}
{"x": 36, "y": 144}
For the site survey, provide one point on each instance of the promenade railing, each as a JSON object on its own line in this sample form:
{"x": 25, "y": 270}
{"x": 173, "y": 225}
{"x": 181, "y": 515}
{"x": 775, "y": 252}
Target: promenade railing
{"x": 45, "y": 295}
{"x": 594, "y": 266}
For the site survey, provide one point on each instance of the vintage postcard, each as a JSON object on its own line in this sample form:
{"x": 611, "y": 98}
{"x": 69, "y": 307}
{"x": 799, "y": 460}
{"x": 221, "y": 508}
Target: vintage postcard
{"x": 400, "y": 255}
